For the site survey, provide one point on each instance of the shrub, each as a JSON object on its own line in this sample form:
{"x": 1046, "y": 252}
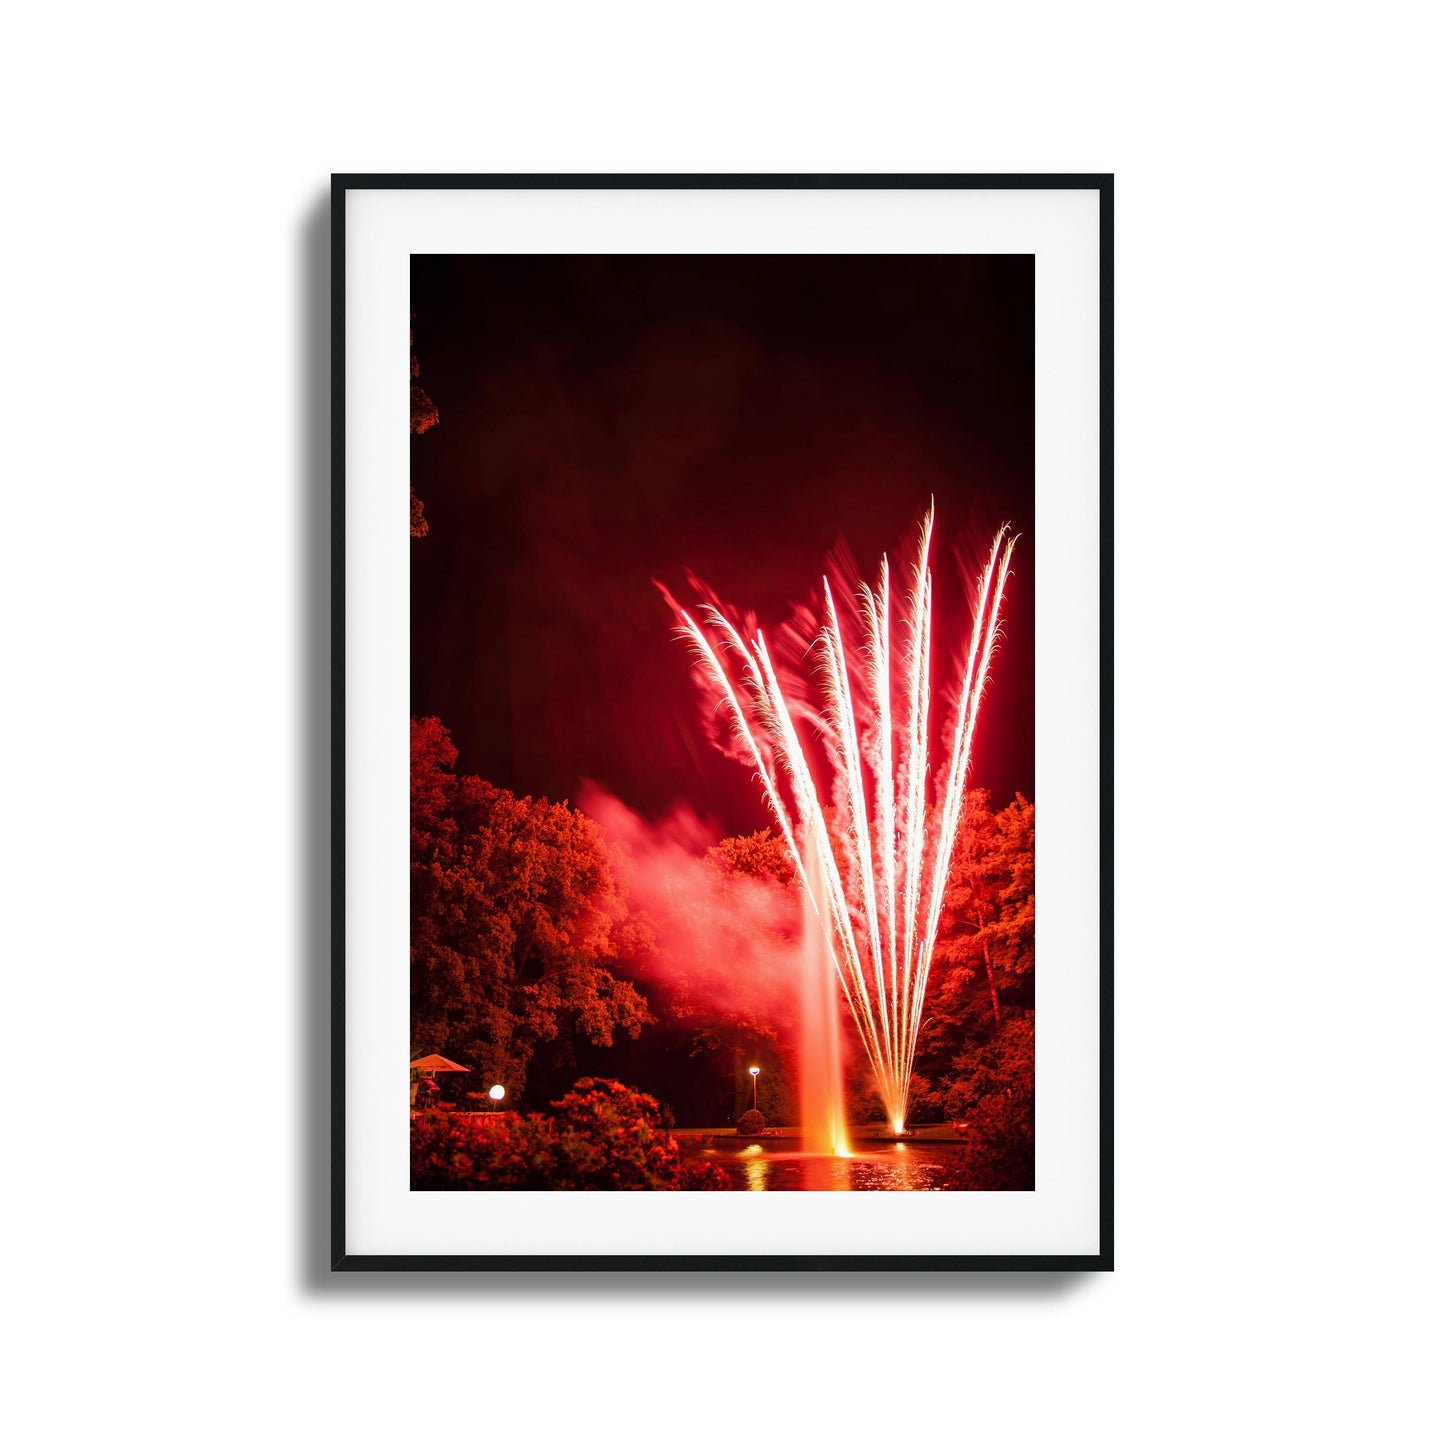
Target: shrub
{"x": 751, "y": 1122}
{"x": 603, "y": 1136}
{"x": 703, "y": 1174}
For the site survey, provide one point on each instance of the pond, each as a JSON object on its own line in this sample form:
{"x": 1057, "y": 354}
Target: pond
{"x": 776, "y": 1163}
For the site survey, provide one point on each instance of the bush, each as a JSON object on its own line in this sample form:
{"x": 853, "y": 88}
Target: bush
{"x": 751, "y": 1122}
{"x": 604, "y": 1136}
{"x": 703, "y": 1174}
{"x": 998, "y": 1144}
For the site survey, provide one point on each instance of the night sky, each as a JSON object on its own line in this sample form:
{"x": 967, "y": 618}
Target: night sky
{"x": 608, "y": 420}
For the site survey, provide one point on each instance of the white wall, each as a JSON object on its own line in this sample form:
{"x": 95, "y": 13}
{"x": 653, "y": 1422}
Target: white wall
{"x": 1279, "y": 466}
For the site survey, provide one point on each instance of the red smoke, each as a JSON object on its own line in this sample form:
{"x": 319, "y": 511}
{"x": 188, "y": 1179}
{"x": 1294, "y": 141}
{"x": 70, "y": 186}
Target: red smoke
{"x": 723, "y": 941}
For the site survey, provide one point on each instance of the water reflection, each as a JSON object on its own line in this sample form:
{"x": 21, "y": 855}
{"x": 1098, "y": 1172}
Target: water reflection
{"x": 776, "y": 1164}
{"x": 755, "y": 1167}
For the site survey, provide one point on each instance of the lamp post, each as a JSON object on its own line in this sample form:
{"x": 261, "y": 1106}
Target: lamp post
{"x": 496, "y": 1094}
{"x": 754, "y": 1071}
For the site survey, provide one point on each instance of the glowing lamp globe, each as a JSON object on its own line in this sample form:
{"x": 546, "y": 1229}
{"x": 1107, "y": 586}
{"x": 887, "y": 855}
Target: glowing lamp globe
{"x": 497, "y": 1092}
{"x": 755, "y": 1071}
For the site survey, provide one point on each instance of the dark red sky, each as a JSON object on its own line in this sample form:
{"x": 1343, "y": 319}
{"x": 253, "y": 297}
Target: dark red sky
{"x": 610, "y": 420}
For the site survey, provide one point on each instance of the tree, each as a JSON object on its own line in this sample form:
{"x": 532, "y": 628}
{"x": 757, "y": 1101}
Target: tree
{"x": 423, "y": 415}
{"x": 419, "y": 524}
{"x": 977, "y": 1040}
{"x": 755, "y": 855}
{"x": 988, "y": 915}
{"x": 517, "y": 922}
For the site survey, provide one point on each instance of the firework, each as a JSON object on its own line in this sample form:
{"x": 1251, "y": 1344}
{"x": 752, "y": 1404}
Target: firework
{"x": 883, "y": 854}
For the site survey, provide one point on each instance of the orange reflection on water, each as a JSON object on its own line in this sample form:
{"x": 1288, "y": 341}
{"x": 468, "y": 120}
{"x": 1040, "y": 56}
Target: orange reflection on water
{"x": 755, "y": 1166}
{"x": 765, "y": 1166}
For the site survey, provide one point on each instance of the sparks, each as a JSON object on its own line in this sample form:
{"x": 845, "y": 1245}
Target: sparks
{"x": 882, "y": 867}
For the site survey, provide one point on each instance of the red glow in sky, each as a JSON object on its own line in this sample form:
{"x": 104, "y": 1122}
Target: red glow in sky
{"x": 605, "y": 421}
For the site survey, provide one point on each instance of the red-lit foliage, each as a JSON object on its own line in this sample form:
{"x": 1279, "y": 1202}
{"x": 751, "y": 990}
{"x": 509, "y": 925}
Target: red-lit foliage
{"x": 535, "y": 928}
{"x": 751, "y": 1121}
{"x": 998, "y": 1143}
{"x": 516, "y": 919}
{"x": 603, "y": 1136}
{"x": 988, "y": 921}
{"x": 978, "y": 1040}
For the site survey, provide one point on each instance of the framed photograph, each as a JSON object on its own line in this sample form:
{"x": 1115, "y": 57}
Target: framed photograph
{"x": 722, "y": 731}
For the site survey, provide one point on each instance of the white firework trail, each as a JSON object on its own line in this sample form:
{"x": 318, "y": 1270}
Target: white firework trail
{"x": 895, "y": 854}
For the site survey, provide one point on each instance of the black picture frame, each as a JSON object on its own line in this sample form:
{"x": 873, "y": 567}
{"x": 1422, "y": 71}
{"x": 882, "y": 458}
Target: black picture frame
{"x": 341, "y": 1259}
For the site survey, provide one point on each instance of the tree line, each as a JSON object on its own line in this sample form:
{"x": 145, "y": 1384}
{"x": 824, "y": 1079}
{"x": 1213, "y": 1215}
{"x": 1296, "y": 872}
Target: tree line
{"x": 530, "y": 962}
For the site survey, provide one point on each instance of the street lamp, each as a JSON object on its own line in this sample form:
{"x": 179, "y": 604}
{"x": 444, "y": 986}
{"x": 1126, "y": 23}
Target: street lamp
{"x": 496, "y": 1094}
{"x": 754, "y": 1071}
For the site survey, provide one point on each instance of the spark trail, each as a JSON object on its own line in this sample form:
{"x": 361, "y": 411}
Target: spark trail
{"x": 884, "y": 854}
